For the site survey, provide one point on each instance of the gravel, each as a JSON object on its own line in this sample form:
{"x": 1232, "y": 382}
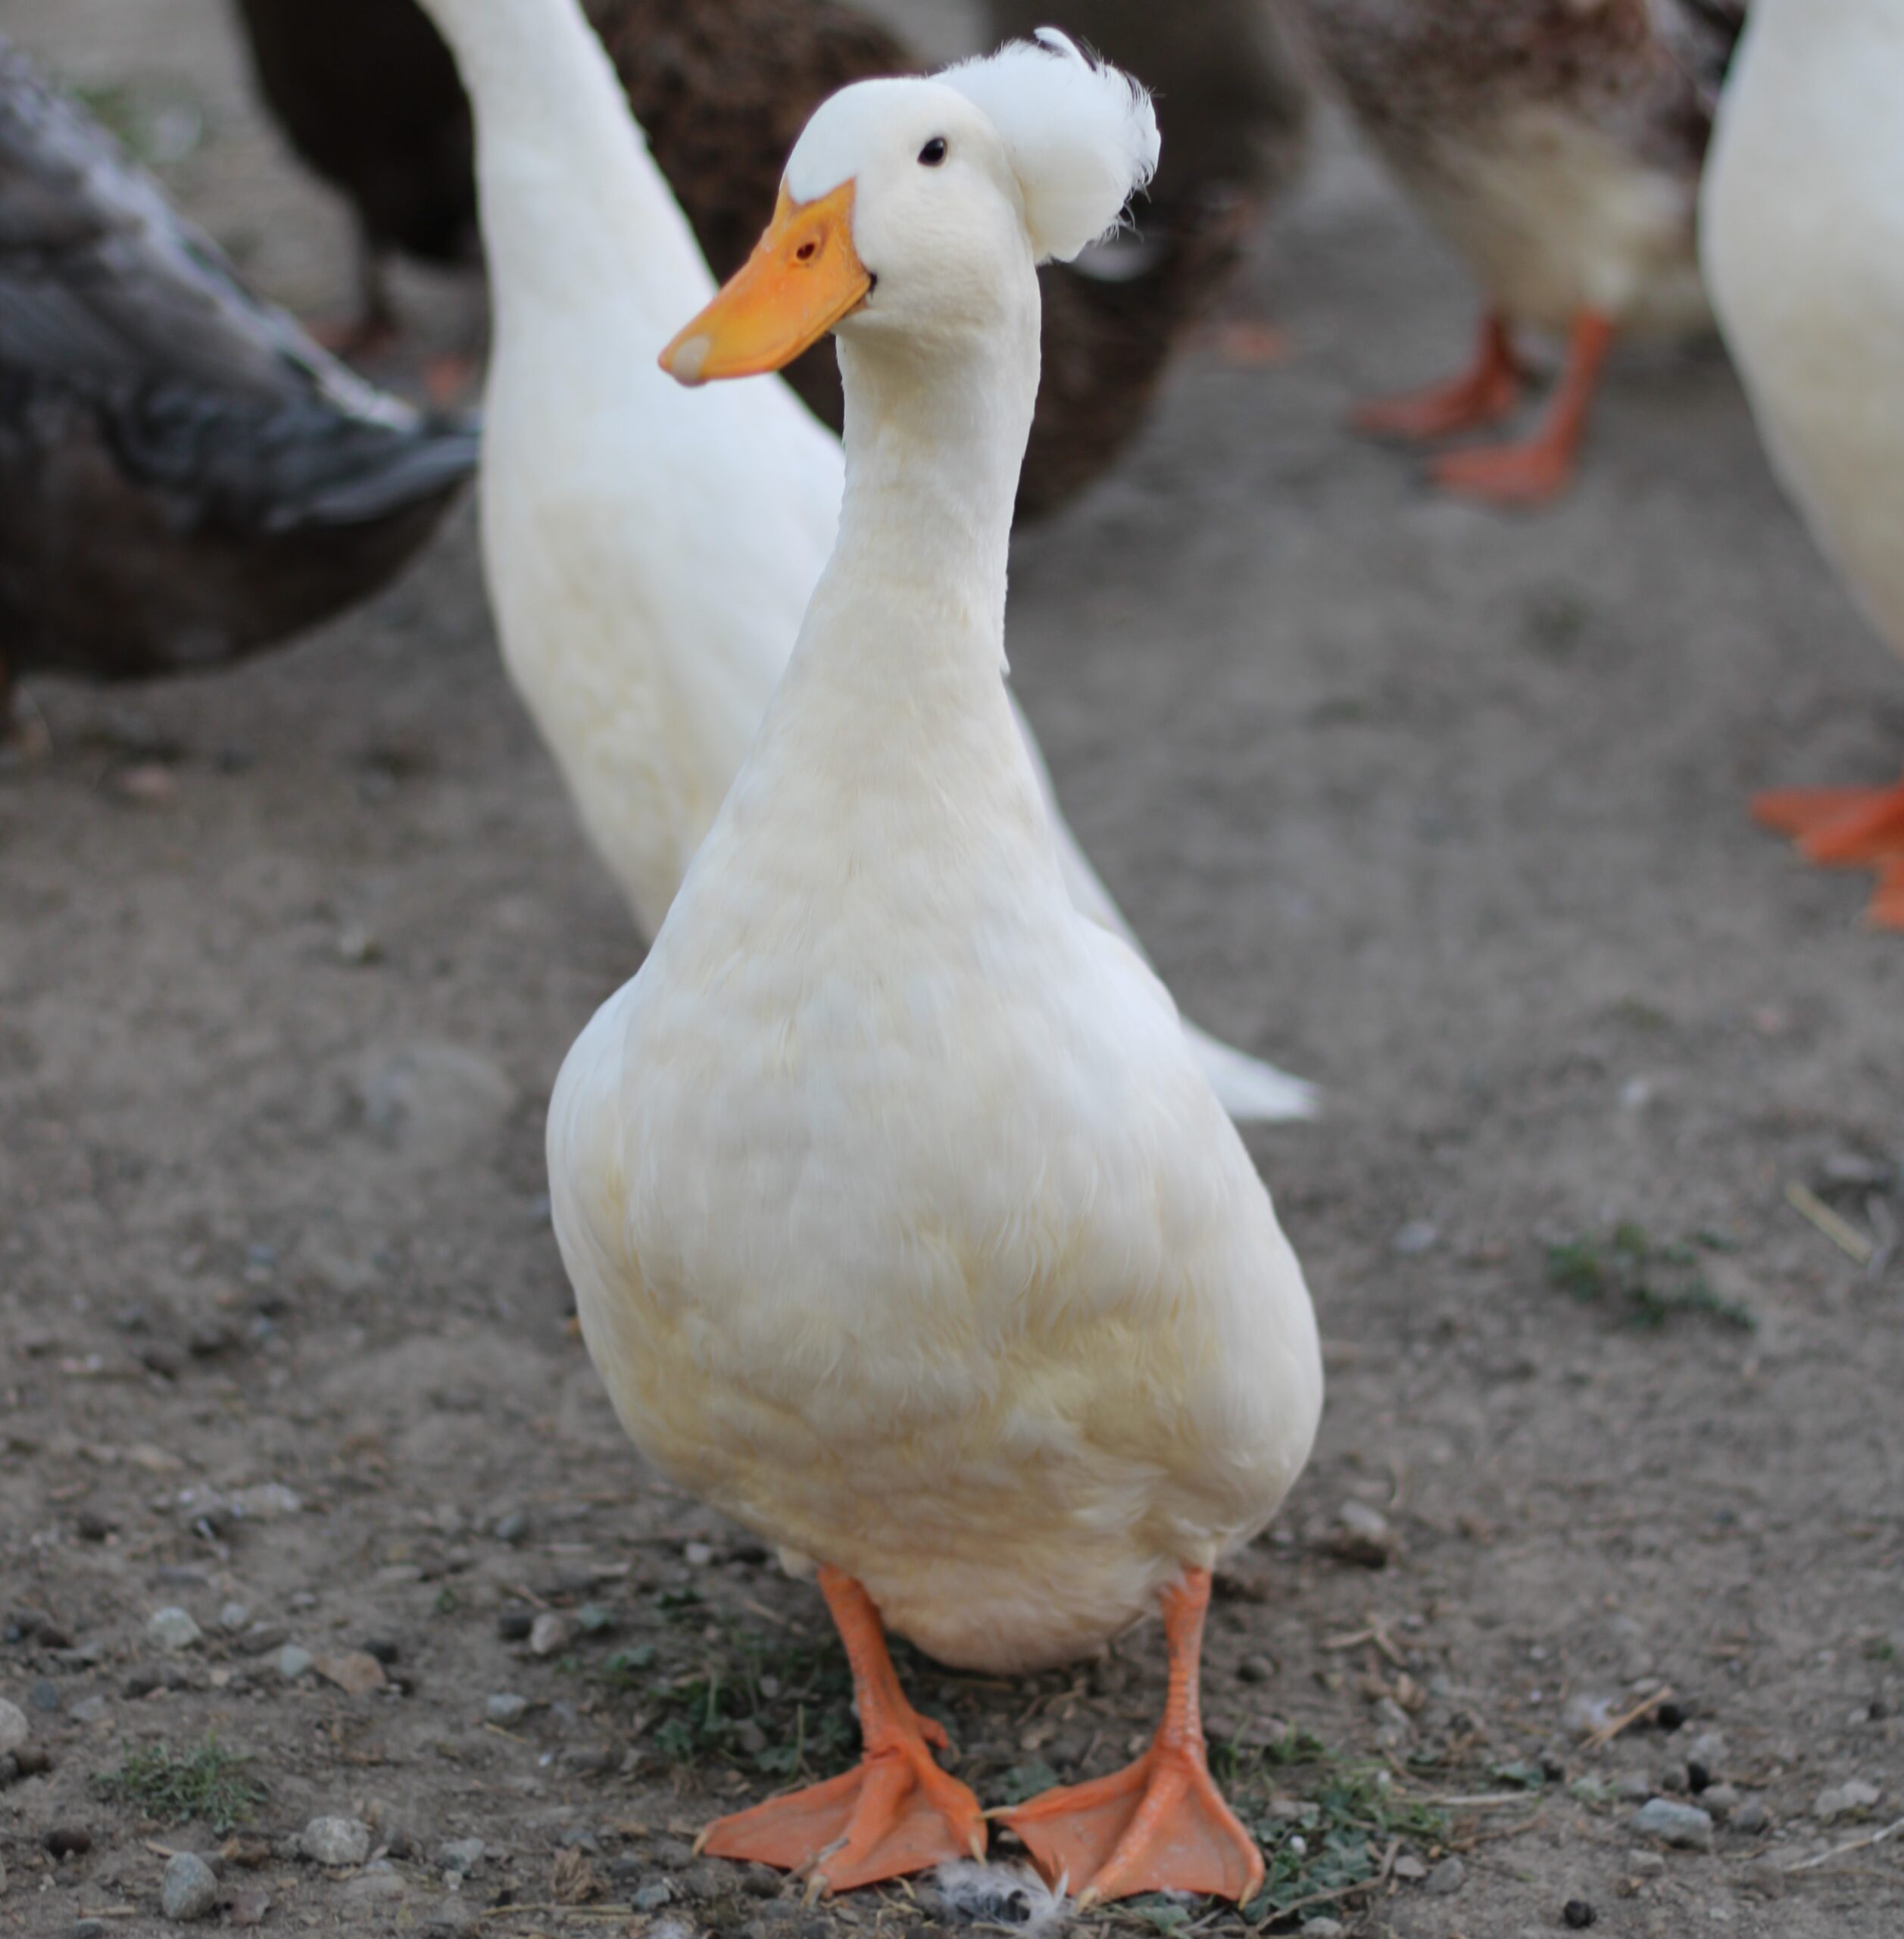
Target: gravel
{"x": 1446, "y": 1878}
{"x": 1751, "y": 1816}
{"x": 293, "y": 1662}
{"x": 461, "y": 1855}
{"x": 190, "y": 1890}
{"x": 173, "y": 1629}
{"x": 14, "y": 1730}
{"x": 335, "y": 1841}
{"x": 1362, "y": 1536}
{"x": 505, "y": 1707}
{"x": 1843, "y": 1801}
{"x": 1666, "y": 1818}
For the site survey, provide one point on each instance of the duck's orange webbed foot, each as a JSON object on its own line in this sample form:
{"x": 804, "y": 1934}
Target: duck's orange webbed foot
{"x": 1838, "y": 825}
{"x": 1538, "y": 471}
{"x": 1484, "y": 393}
{"x": 898, "y": 1813}
{"x": 1161, "y": 1825}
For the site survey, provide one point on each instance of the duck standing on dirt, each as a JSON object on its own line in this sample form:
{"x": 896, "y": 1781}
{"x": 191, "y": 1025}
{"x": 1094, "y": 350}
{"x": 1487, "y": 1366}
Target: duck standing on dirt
{"x": 722, "y": 89}
{"x": 1557, "y": 146}
{"x": 903, "y": 1226}
{"x": 1803, "y": 237}
{"x": 185, "y": 476}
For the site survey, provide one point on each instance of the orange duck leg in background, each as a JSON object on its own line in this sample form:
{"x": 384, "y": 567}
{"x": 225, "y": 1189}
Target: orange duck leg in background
{"x": 1483, "y": 394}
{"x": 1539, "y": 470}
{"x": 1160, "y": 1825}
{"x": 898, "y": 1813}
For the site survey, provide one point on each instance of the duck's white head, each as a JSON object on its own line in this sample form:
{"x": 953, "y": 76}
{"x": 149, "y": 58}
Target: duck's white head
{"x": 920, "y": 207}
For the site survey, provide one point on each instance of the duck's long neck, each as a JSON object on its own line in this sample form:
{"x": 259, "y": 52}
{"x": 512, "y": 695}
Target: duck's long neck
{"x": 912, "y": 603}
{"x": 573, "y": 206}
{"x": 891, "y": 737}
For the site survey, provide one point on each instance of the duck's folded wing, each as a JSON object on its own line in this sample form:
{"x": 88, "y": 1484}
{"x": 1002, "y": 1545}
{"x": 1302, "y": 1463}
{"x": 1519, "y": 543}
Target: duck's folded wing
{"x": 104, "y": 288}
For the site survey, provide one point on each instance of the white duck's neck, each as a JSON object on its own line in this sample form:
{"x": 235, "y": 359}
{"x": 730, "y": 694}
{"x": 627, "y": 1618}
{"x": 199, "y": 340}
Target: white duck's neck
{"x": 891, "y": 734}
{"x": 913, "y": 601}
{"x": 573, "y": 206}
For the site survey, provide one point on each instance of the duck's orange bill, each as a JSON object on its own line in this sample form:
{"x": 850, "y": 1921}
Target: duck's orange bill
{"x": 803, "y": 275}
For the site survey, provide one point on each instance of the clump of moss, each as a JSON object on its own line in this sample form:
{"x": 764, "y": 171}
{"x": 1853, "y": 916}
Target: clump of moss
{"x": 775, "y": 1706}
{"x": 207, "y": 1783}
{"x": 1650, "y": 1284}
{"x": 1351, "y": 1811}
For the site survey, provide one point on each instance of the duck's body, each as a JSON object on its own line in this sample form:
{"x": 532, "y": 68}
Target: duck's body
{"x": 649, "y": 555}
{"x": 904, "y": 1227}
{"x": 185, "y": 476}
{"x": 1803, "y": 237}
{"x": 1557, "y": 146}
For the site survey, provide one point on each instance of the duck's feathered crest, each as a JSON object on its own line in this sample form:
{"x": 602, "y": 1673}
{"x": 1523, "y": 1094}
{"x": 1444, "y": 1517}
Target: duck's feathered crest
{"x": 1081, "y": 135}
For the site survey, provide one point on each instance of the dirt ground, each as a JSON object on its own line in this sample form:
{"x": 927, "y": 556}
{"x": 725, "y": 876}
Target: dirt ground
{"x": 1443, "y": 810}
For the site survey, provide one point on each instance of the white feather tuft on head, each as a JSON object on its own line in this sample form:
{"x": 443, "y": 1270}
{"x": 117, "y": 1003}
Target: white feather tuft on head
{"x": 1081, "y": 136}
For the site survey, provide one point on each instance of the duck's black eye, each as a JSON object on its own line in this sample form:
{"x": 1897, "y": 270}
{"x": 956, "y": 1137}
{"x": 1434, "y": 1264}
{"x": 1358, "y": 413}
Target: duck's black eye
{"x": 933, "y": 153}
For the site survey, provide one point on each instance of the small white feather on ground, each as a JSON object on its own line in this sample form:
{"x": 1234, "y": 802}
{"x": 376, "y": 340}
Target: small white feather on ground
{"x": 1012, "y": 1895}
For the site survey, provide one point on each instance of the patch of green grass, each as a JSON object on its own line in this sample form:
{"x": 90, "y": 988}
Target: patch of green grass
{"x": 1650, "y": 1283}
{"x": 207, "y": 1783}
{"x": 778, "y": 1709}
{"x": 1881, "y": 1649}
{"x": 1353, "y": 1812}
{"x": 1024, "y": 1781}
{"x": 1159, "y": 1913}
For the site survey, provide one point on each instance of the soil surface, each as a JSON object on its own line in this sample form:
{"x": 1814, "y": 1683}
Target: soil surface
{"x": 1443, "y": 810}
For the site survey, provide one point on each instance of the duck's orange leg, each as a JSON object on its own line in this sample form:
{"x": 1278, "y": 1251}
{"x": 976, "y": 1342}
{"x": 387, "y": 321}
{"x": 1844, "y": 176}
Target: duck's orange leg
{"x": 1838, "y": 825}
{"x": 1541, "y": 468}
{"x": 898, "y": 1813}
{"x": 1886, "y": 909}
{"x": 1161, "y": 1825}
{"x": 1484, "y": 393}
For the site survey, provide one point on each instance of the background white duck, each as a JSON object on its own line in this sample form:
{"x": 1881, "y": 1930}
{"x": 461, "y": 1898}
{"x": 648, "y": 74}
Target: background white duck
{"x": 648, "y": 556}
{"x": 903, "y": 1226}
{"x": 1803, "y": 240}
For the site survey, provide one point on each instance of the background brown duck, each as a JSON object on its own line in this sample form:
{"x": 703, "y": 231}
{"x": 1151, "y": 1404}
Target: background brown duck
{"x": 722, "y": 88}
{"x": 185, "y": 476}
{"x": 1557, "y": 145}
{"x": 369, "y": 97}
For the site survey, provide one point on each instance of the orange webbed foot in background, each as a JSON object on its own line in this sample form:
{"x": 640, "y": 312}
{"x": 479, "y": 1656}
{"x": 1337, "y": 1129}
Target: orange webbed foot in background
{"x": 1837, "y": 826}
{"x": 1484, "y": 393}
{"x": 1886, "y": 909}
{"x": 898, "y": 1813}
{"x": 1537, "y": 471}
{"x": 1160, "y": 1825}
